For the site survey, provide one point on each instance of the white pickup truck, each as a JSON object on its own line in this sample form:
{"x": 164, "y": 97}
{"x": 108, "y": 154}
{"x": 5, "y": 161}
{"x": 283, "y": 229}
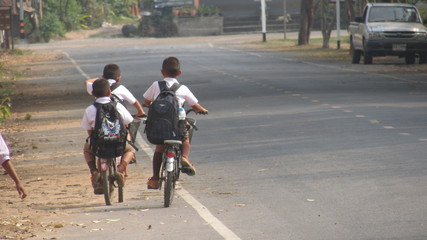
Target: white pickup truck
{"x": 388, "y": 29}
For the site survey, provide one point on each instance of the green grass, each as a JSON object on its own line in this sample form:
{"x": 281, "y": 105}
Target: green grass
{"x": 314, "y": 49}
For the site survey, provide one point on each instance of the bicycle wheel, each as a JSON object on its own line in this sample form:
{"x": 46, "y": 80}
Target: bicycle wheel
{"x": 120, "y": 194}
{"x": 107, "y": 185}
{"x": 169, "y": 188}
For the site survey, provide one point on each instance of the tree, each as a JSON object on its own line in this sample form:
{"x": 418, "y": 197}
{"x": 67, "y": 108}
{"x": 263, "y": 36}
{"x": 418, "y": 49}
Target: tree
{"x": 306, "y": 21}
{"x": 351, "y": 15}
{"x": 327, "y": 21}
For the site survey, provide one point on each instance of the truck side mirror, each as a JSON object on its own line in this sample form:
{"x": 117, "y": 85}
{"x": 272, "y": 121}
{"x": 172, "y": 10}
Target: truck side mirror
{"x": 425, "y": 21}
{"x": 359, "y": 19}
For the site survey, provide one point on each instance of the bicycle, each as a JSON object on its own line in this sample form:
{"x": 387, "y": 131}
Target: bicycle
{"x": 108, "y": 167}
{"x": 109, "y": 178}
{"x": 171, "y": 163}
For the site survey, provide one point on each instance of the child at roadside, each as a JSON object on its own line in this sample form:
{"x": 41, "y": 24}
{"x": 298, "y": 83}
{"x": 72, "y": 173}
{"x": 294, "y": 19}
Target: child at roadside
{"x": 171, "y": 70}
{"x": 113, "y": 74}
{"x": 102, "y": 92}
{"x": 10, "y": 169}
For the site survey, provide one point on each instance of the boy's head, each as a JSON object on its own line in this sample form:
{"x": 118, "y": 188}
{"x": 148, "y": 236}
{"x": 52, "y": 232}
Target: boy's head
{"x": 111, "y": 71}
{"x": 101, "y": 88}
{"x": 171, "y": 67}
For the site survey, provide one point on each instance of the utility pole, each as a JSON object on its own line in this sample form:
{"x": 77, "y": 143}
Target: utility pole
{"x": 285, "y": 19}
{"x": 338, "y": 24}
{"x": 263, "y": 21}
{"x": 21, "y": 19}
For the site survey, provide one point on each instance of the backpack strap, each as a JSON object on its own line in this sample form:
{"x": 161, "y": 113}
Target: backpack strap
{"x": 163, "y": 86}
{"x": 114, "y": 86}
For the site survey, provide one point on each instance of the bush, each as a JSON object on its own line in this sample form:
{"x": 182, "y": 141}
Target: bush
{"x": 157, "y": 26}
{"x": 50, "y": 26}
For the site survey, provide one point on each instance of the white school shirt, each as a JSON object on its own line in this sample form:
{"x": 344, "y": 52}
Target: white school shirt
{"x": 88, "y": 121}
{"x": 183, "y": 94}
{"x": 4, "y": 151}
{"x": 121, "y": 92}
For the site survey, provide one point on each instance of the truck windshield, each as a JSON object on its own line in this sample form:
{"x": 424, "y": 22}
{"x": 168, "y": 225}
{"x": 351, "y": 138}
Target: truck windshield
{"x": 393, "y": 14}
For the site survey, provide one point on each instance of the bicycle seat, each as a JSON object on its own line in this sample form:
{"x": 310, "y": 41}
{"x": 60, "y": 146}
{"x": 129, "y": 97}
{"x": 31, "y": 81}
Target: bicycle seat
{"x": 172, "y": 142}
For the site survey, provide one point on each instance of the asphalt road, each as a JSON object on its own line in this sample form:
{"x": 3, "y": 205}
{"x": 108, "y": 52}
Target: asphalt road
{"x": 291, "y": 148}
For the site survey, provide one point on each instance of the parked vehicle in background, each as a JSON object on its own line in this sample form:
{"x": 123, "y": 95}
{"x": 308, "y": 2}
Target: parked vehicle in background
{"x": 388, "y": 29}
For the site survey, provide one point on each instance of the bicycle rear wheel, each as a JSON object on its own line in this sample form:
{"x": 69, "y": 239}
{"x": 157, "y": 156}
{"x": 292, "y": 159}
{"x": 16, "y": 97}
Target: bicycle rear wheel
{"x": 120, "y": 194}
{"x": 169, "y": 188}
{"x": 107, "y": 185}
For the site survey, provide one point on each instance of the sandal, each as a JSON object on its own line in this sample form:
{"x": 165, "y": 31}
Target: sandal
{"x": 153, "y": 183}
{"x": 187, "y": 167}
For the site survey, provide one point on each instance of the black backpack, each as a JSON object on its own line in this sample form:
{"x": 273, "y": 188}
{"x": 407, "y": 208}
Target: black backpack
{"x": 162, "y": 118}
{"x": 108, "y": 139}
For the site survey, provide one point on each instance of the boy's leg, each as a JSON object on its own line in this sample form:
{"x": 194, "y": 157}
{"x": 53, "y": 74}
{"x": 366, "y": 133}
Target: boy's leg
{"x": 185, "y": 151}
{"x": 128, "y": 155}
{"x": 90, "y": 158}
{"x": 95, "y": 177}
{"x": 153, "y": 182}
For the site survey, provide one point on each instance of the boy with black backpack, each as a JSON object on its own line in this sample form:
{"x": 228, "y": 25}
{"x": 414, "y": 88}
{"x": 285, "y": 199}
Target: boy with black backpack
{"x": 119, "y": 92}
{"x": 105, "y": 122}
{"x": 170, "y": 70}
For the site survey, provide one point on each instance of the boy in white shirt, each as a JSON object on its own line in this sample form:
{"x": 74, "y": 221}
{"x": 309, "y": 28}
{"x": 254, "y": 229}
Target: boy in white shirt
{"x": 171, "y": 70}
{"x": 113, "y": 74}
{"x": 8, "y": 166}
{"x": 101, "y": 91}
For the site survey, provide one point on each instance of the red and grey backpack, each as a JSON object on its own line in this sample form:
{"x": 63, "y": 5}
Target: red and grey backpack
{"x": 108, "y": 139}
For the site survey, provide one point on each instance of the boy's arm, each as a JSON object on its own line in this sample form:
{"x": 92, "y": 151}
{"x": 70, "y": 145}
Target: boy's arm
{"x": 147, "y": 102}
{"x": 199, "y": 109}
{"x": 138, "y": 107}
{"x": 12, "y": 173}
{"x": 90, "y": 81}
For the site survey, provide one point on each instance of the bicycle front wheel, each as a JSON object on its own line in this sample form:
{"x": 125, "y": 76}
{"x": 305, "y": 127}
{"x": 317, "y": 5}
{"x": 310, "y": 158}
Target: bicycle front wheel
{"x": 107, "y": 185}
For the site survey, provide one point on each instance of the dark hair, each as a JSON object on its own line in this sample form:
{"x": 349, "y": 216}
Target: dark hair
{"x": 100, "y": 88}
{"x": 171, "y": 66}
{"x": 111, "y": 71}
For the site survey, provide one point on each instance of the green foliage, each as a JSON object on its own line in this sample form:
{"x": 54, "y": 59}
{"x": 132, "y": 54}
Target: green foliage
{"x": 207, "y": 10}
{"x": 60, "y": 16}
{"x": 51, "y": 26}
{"x": 5, "y": 105}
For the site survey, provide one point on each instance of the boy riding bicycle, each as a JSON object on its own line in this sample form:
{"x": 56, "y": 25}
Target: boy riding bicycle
{"x": 113, "y": 74}
{"x": 170, "y": 71}
{"x": 102, "y": 93}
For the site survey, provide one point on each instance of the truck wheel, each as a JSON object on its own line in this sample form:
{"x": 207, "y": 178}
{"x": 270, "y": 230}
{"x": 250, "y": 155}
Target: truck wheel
{"x": 423, "y": 58}
{"x": 367, "y": 58}
{"x": 410, "y": 58}
{"x": 355, "y": 54}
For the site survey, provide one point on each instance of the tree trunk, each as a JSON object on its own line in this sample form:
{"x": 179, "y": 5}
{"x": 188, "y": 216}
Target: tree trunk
{"x": 328, "y": 19}
{"x": 306, "y": 12}
{"x": 351, "y": 15}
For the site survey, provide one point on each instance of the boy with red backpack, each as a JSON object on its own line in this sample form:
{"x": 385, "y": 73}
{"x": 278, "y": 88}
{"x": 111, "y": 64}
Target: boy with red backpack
{"x": 171, "y": 70}
{"x": 104, "y": 121}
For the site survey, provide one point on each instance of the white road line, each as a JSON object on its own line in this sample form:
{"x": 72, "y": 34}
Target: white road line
{"x": 203, "y": 211}
{"x": 207, "y": 215}
{"x": 214, "y": 222}
{"x": 77, "y": 66}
